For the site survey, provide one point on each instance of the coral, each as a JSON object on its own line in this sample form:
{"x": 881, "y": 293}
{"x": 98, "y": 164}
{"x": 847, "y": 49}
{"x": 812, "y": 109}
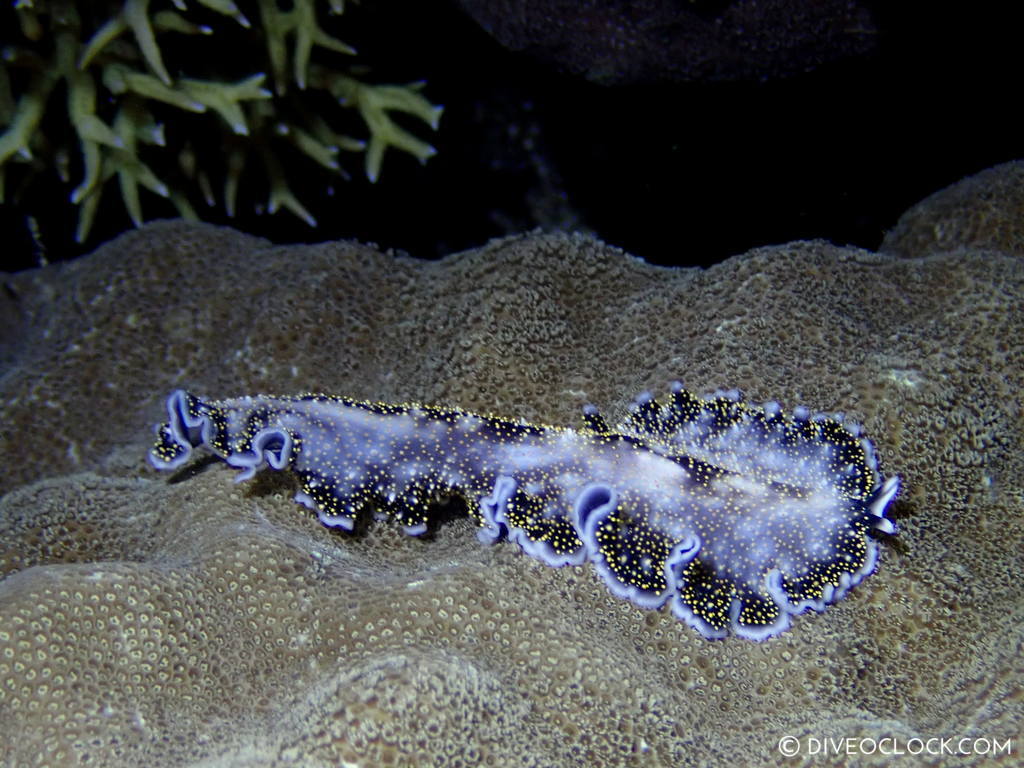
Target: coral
{"x": 198, "y": 622}
{"x": 983, "y": 211}
{"x": 120, "y": 92}
{"x": 616, "y": 42}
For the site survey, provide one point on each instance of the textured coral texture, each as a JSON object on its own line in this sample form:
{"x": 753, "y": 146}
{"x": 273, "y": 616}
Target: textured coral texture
{"x": 626, "y": 41}
{"x": 983, "y": 211}
{"x": 200, "y": 622}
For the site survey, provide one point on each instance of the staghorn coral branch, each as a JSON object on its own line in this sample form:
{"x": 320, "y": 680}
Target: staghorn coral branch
{"x": 132, "y": 124}
{"x": 326, "y": 135}
{"x": 28, "y": 18}
{"x": 111, "y": 30}
{"x": 120, "y": 79}
{"x": 87, "y": 208}
{"x": 189, "y": 164}
{"x": 164, "y": 21}
{"x": 225, "y": 7}
{"x": 92, "y": 132}
{"x": 225, "y": 98}
{"x": 374, "y": 102}
{"x": 110, "y": 76}
{"x": 281, "y": 195}
{"x": 301, "y": 22}
{"x": 132, "y": 172}
{"x": 311, "y": 146}
{"x": 27, "y": 115}
{"x": 308, "y": 34}
{"x": 185, "y": 209}
{"x": 169, "y": 21}
{"x": 134, "y": 15}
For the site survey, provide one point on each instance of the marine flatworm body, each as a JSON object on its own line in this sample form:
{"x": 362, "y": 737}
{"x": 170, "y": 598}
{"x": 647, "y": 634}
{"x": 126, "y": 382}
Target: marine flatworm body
{"x": 736, "y": 515}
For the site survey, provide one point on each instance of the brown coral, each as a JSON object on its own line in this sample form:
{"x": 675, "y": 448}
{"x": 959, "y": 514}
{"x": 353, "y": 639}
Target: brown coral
{"x": 615, "y": 42}
{"x": 983, "y": 211}
{"x": 143, "y": 622}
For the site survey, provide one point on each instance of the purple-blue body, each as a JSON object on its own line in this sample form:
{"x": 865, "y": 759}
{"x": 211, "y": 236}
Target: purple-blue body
{"x": 738, "y": 516}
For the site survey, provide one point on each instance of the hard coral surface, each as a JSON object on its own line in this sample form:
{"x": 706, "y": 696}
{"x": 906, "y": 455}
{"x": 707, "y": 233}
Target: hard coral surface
{"x": 614, "y": 42}
{"x": 200, "y": 622}
{"x": 983, "y": 211}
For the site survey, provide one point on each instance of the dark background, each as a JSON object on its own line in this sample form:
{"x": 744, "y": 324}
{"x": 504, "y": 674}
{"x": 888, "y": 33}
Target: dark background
{"x": 677, "y": 173}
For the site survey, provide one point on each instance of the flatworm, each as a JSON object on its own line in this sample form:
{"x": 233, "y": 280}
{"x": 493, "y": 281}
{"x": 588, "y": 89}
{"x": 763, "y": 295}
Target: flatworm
{"x": 736, "y": 515}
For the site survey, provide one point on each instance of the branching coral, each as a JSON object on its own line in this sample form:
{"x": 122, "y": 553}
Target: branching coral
{"x": 126, "y": 71}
